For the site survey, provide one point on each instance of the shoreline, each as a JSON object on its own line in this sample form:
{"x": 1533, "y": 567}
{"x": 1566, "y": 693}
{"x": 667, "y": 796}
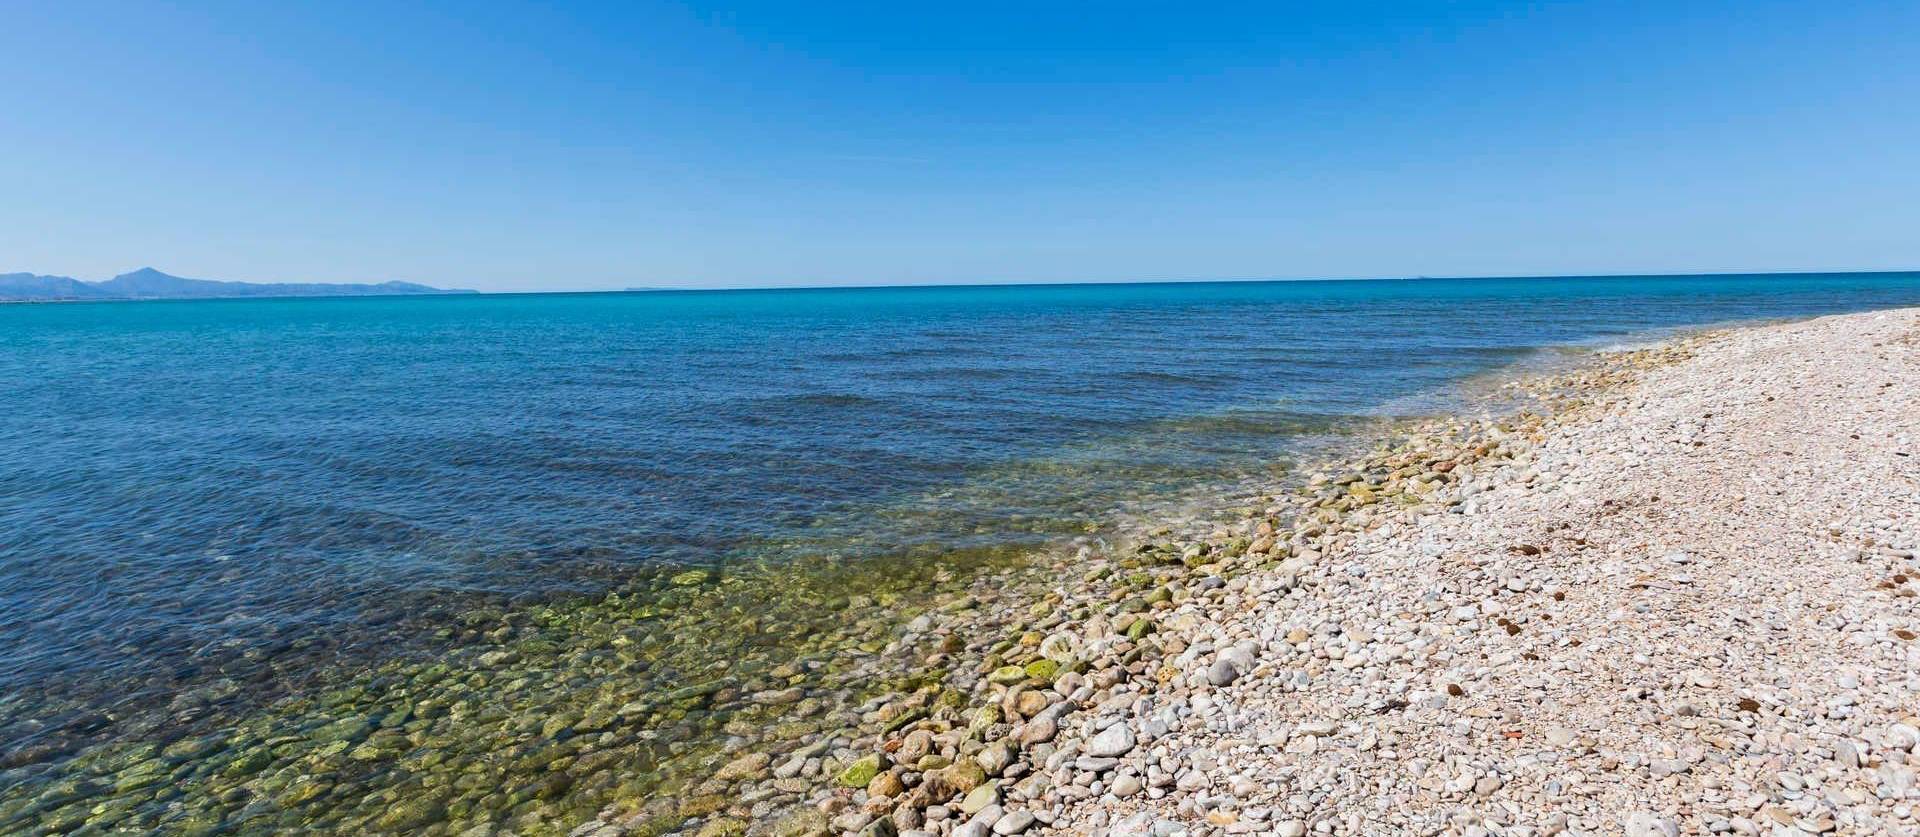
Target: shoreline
{"x": 999, "y": 676}
{"x": 1146, "y": 698}
{"x": 1111, "y": 591}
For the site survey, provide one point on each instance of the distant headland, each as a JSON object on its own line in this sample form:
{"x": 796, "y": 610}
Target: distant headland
{"x": 148, "y": 283}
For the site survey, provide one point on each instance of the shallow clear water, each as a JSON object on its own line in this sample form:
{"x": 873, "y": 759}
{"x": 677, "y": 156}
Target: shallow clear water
{"x": 192, "y": 489}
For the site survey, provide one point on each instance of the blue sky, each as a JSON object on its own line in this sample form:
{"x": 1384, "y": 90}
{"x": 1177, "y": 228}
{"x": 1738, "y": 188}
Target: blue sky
{"x": 522, "y": 147}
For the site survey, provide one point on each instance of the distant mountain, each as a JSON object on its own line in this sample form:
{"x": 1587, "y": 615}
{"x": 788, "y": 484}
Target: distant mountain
{"x": 147, "y": 283}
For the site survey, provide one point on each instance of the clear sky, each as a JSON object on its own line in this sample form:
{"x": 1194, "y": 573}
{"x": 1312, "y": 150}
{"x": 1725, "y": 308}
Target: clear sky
{"x": 524, "y": 147}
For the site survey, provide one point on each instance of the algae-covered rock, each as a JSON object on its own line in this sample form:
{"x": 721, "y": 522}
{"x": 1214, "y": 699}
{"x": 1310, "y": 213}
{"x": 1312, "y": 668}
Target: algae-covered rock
{"x": 700, "y": 806}
{"x": 347, "y": 730}
{"x": 957, "y": 778}
{"x": 496, "y": 659}
{"x": 987, "y": 715}
{"x": 692, "y": 578}
{"x": 656, "y": 825}
{"x": 195, "y": 823}
{"x": 1042, "y": 669}
{"x": 904, "y": 719}
{"x": 304, "y": 789}
{"x": 64, "y": 820}
{"x": 790, "y": 730}
{"x": 804, "y": 821}
{"x": 187, "y": 749}
{"x": 1007, "y": 675}
{"x": 553, "y": 786}
{"x": 696, "y": 693}
{"x": 722, "y": 827}
{"x": 412, "y": 813}
{"x": 859, "y": 773}
{"x": 140, "y": 775}
{"x": 749, "y": 766}
{"x": 1196, "y": 555}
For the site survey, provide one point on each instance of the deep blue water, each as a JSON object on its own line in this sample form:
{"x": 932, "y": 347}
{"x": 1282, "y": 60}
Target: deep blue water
{"x": 182, "y": 477}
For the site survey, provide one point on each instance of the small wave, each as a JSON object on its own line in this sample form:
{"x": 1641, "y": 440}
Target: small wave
{"x": 1632, "y": 344}
{"x": 1279, "y": 423}
{"x": 823, "y": 399}
{"x": 954, "y": 373}
{"x": 1491, "y": 351}
{"x": 1150, "y": 376}
{"x": 904, "y": 353}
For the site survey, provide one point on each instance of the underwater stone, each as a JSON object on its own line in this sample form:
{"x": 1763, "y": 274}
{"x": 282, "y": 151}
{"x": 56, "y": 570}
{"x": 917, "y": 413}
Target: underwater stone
{"x": 692, "y": 577}
{"x": 802, "y": 822}
{"x": 749, "y": 766}
{"x": 414, "y": 813}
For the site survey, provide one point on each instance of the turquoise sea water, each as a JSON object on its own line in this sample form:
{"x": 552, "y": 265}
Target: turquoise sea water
{"x": 251, "y": 489}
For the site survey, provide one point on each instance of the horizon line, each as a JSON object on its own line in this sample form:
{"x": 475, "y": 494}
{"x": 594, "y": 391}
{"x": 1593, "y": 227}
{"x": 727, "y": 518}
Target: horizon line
{"x": 467, "y": 292}
{"x": 1706, "y": 274}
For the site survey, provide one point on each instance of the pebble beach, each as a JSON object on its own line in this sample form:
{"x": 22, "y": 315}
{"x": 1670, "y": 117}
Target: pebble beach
{"x": 1674, "y": 596}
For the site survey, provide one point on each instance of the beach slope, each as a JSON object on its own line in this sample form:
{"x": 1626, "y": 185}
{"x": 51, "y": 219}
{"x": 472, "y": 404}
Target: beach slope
{"x": 1687, "y": 607}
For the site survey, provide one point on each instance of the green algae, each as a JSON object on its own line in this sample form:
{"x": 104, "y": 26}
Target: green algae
{"x": 539, "y": 719}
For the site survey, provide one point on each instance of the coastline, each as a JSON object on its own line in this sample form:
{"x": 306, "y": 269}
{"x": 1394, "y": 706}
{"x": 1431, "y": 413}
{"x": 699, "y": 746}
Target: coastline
{"x": 1397, "y": 647}
{"x": 979, "y": 693}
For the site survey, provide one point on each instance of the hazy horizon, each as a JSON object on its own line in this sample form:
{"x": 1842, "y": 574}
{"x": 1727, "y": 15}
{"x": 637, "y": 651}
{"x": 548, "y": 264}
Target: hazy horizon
{"x": 514, "y": 148}
{"x": 992, "y": 284}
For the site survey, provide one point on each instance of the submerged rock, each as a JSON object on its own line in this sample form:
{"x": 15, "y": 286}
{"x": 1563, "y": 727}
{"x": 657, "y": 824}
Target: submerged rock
{"x": 749, "y": 766}
{"x": 692, "y": 578}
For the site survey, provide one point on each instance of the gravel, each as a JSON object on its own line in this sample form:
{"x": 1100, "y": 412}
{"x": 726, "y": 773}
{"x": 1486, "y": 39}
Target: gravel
{"x": 1685, "y": 606}
{"x": 1674, "y": 596}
